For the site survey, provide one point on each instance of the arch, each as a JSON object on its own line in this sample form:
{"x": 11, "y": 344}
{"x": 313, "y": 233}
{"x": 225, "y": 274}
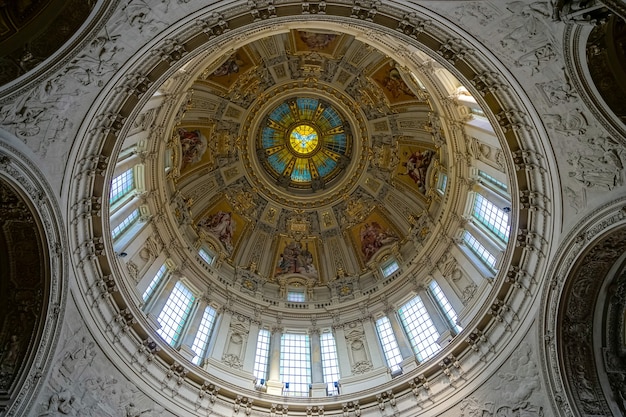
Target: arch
{"x": 581, "y": 314}
{"x": 33, "y": 274}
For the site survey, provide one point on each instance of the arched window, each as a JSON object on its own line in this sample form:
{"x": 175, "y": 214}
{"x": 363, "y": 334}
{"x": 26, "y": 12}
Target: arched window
{"x": 445, "y": 306}
{"x": 389, "y": 343}
{"x": 201, "y": 340}
{"x": 330, "y": 365}
{"x": 262, "y": 355}
{"x": 419, "y": 327}
{"x": 175, "y": 312}
{"x": 295, "y": 364}
{"x": 156, "y": 282}
{"x": 206, "y": 256}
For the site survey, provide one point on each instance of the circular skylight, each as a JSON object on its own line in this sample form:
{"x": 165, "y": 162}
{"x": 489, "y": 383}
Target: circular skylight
{"x": 304, "y": 143}
{"x": 303, "y": 140}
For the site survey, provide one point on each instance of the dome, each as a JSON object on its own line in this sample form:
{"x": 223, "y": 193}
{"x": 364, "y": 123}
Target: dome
{"x": 305, "y": 179}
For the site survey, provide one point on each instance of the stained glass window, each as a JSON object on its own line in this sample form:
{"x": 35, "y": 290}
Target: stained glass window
{"x": 302, "y": 142}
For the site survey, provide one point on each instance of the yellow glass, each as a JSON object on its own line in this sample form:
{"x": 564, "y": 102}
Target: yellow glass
{"x": 303, "y": 139}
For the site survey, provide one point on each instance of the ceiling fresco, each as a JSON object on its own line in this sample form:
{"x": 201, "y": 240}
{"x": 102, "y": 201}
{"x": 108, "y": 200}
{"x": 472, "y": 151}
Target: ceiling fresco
{"x": 284, "y": 127}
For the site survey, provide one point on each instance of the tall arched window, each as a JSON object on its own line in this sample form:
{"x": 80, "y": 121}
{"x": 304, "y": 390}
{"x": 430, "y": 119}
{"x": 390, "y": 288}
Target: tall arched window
{"x": 201, "y": 340}
{"x": 262, "y": 355}
{"x": 175, "y": 313}
{"x": 155, "y": 283}
{"x": 389, "y": 343}
{"x": 330, "y": 365}
{"x": 419, "y": 327}
{"x": 295, "y": 364}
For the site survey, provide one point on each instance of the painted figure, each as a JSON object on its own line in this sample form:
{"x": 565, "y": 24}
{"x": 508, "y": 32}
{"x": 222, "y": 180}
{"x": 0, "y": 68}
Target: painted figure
{"x": 417, "y": 166}
{"x": 220, "y": 225}
{"x": 373, "y": 238}
{"x": 193, "y": 145}
{"x": 316, "y": 41}
{"x": 296, "y": 259}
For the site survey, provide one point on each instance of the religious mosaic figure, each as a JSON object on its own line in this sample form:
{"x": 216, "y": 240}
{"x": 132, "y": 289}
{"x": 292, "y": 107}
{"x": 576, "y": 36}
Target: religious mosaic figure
{"x": 296, "y": 259}
{"x": 222, "y": 226}
{"x": 193, "y": 145}
{"x": 373, "y": 237}
{"x": 417, "y": 165}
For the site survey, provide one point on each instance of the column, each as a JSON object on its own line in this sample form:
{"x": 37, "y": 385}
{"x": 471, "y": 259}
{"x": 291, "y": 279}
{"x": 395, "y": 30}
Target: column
{"x": 374, "y": 345}
{"x": 342, "y": 352}
{"x": 317, "y": 372}
{"x": 189, "y": 336}
{"x": 150, "y": 273}
{"x": 153, "y": 309}
{"x": 220, "y": 337}
{"x": 274, "y": 385}
{"x": 253, "y": 335}
{"x": 440, "y": 322}
{"x": 403, "y": 342}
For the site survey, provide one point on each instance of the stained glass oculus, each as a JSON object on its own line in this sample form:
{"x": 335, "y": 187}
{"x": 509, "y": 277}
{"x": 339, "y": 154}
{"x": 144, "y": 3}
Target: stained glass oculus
{"x": 304, "y": 143}
{"x": 303, "y": 140}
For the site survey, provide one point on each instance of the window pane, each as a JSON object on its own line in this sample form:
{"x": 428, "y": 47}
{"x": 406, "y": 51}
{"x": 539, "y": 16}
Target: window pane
{"x": 122, "y": 185}
{"x": 492, "y": 217}
{"x": 445, "y": 305}
{"x": 476, "y": 247}
{"x": 443, "y": 182}
{"x": 492, "y": 180}
{"x": 202, "y": 337}
{"x": 330, "y": 366}
{"x": 420, "y": 328}
{"x": 172, "y": 317}
{"x": 295, "y": 364}
{"x": 295, "y": 296}
{"x": 125, "y": 224}
{"x": 261, "y": 358}
{"x": 389, "y": 343}
{"x": 390, "y": 268}
{"x": 156, "y": 281}
{"x": 206, "y": 256}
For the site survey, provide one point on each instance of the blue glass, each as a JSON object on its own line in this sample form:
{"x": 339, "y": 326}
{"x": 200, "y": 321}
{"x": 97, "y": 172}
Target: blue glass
{"x": 303, "y": 139}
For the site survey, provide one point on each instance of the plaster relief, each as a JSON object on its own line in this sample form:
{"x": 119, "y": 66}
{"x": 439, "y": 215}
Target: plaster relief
{"x": 515, "y": 390}
{"x": 83, "y": 383}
